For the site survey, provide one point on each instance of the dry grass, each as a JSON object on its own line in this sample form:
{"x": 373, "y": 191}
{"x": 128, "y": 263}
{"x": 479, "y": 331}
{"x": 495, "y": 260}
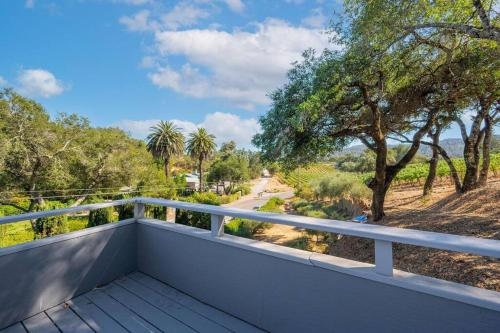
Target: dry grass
{"x": 472, "y": 214}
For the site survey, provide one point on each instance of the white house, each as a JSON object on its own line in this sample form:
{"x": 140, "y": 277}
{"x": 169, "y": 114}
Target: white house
{"x": 192, "y": 181}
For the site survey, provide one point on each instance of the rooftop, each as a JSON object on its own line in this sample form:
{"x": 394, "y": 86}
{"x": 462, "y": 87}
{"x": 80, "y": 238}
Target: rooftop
{"x": 148, "y": 275}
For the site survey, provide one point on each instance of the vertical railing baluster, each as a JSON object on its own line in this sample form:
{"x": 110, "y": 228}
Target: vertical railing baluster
{"x": 217, "y": 225}
{"x": 172, "y": 211}
{"x": 383, "y": 257}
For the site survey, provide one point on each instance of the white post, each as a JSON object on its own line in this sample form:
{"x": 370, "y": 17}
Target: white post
{"x": 217, "y": 225}
{"x": 139, "y": 211}
{"x": 172, "y": 212}
{"x": 383, "y": 257}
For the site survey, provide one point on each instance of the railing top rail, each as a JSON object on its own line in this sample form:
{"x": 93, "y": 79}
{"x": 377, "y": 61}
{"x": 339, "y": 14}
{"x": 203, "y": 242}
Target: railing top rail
{"x": 466, "y": 244}
{"x": 62, "y": 211}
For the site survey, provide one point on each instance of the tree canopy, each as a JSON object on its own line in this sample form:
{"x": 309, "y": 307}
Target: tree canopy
{"x": 392, "y": 79}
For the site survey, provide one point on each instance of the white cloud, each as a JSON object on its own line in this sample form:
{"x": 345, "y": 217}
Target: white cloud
{"x": 235, "y": 5}
{"x": 29, "y": 4}
{"x": 39, "y": 82}
{"x": 3, "y": 82}
{"x": 316, "y": 20}
{"x": 225, "y": 127}
{"x": 139, "y": 22}
{"x": 238, "y": 66}
{"x": 183, "y": 15}
{"x": 148, "y": 62}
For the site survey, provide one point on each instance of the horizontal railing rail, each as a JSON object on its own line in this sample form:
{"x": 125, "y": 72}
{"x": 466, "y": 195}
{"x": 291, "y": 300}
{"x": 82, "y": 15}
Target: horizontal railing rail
{"x": 383, "y": 236}
{"x": 63, "y": 211}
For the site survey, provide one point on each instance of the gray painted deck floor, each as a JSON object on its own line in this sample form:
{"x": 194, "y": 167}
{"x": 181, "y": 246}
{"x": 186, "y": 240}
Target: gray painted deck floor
{"x": 135, "y": 303}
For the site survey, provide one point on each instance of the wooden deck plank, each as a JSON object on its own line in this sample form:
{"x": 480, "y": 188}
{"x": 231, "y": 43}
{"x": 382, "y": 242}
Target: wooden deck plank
{"x": 67, "y": 320}
{"x": 221, "y": 317}
{"x": 97, "y": 319}
{"x": 172, "y": 308}
{"x": 16, "y": 328}
{"x": 130, "y": 320}
{"x": 153, "y": 315}
{"x": 40, "y": 323}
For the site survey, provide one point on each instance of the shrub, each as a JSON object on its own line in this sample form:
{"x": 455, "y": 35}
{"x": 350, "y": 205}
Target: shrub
{"x": 316, "y": 213}
{"x": 245, "y": 228}
{"x": 50, "y": 226}
{"x": 195, "y": 219}
{"x": 301, "y": 243}
{"x": 305, "y": 192}
{"x": 340, "y": 186}
{"x": 273, "y": 205}
{"x": 244, "y": 189}
{"x": 100, "y": 217}
{"x": 124, "y": 211}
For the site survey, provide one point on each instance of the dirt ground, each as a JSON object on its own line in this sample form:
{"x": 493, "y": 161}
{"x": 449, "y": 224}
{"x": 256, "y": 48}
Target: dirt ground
{"x": 476, "y": 213}
{"x": 274, "y": 185}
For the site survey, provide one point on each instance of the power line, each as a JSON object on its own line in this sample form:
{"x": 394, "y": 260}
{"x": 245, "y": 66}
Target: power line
{"x": 99, "y": 188}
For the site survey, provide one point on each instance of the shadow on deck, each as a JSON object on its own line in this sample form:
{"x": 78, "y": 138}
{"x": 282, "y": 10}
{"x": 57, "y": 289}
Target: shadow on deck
{"x": 134, "y": 303}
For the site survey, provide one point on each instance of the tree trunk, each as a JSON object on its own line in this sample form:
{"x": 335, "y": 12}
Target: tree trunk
{"x": 200, "y": 172}
{"x": 488, "y": 134}
{"x": 378, "y": 183}
{"x": 166, "y": 168}
{"x": 433, "y": 163}
{"x": 471, "y": 146}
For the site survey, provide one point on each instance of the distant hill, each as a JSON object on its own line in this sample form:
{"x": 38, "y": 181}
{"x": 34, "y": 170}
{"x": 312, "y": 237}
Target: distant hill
{"x": 454, "y": 147}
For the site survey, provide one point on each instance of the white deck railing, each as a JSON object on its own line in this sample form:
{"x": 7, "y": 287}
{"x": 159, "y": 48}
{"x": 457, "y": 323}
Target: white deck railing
{"x": 383, "y": 236}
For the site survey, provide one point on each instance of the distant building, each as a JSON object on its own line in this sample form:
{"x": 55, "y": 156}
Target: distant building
{"x": 192, "y": 181}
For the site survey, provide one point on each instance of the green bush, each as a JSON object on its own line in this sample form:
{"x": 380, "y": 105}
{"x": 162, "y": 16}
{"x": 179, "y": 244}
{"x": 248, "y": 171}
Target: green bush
{"x": 245, "y": 228}
{"x": 124, "y": 211}
{"x": 100, "y": 217}
{"x": 316, "y": 213}
{"x": 340, "y": 186}
{"x": 273, "y": 205}
{"x": 244, "y": 189}
{"x": 50, "y": 226}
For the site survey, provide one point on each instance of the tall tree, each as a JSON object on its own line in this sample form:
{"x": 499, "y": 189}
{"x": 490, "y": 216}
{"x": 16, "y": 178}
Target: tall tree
{"x": 201, "y": 146}
{"x": 165, "y": 141}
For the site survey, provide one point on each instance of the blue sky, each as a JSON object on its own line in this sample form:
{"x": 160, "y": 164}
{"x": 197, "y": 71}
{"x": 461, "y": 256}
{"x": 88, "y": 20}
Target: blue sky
{"x": 129, "y": 63}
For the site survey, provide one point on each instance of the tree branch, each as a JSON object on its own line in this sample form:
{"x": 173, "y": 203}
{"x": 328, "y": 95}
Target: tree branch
{"x": 492, "y": 33}
{"x": 7, "y": 203}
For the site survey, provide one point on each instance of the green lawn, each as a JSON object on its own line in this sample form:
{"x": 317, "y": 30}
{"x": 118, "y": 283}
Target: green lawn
{"x": 21, "y": 232}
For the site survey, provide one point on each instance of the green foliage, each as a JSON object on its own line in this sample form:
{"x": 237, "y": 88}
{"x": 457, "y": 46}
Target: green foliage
{"x": 302, "y": 176}
{"x": 233, "y": 168}
{"x": 417, "y": 172}
{"x": 124, "y": 211}
{"x": 301, "y": 243}
{"x": 341, "y": 186}
{"x": 244, "y": 227}
{"x": 244, "y": 189}
{"x": 247, "y": 228}
{"x": 164, "y": 142}
{"x": 50, "y": 226}
{"x": 100, "y": 216}
{"x": 273, "y": 205}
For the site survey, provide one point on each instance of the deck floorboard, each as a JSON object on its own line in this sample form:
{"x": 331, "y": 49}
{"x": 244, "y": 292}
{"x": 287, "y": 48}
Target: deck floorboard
{"x": 40, "y": 323}
{"x": 135, "y": 303}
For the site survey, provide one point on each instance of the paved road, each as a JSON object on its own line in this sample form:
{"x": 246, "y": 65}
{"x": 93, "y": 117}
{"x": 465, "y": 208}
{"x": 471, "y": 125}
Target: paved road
{"x": 252, "y": 200}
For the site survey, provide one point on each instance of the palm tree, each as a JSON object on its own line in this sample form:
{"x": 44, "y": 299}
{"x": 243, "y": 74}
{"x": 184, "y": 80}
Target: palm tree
{"x": 164, "y": 142}
{"x": 201, "y": 146}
